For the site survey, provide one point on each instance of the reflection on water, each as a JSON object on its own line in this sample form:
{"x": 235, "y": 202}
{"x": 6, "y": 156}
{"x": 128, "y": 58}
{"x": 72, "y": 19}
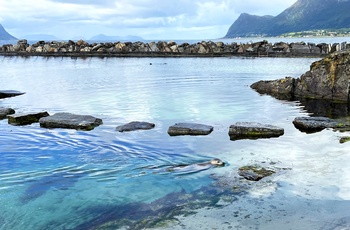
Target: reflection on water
{"x": 326, "y": 108}
{"x": 68, "y": 179}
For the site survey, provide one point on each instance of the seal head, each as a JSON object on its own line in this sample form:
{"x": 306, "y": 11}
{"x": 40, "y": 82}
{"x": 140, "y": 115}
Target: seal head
{"x": 217, "y": 162}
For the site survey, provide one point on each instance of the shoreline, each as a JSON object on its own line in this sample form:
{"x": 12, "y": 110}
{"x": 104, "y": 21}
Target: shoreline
{"x": 170, "y": 49}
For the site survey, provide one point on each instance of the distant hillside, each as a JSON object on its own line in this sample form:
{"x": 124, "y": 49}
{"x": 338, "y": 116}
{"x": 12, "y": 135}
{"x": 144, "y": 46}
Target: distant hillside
{"x": 38, "y": 37}
{"x": 102, "y": 37}
{"x": 4, "y": 35}
{"x": 301, "y": 16}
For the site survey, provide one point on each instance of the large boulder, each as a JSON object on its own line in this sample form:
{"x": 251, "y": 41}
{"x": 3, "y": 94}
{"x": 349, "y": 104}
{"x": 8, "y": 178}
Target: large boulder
{"x": 253, "y": 130}
{"x": 5, "y": 111}
{"x": 327, "y": 79}
{"x": 135, "y": 125}
{"x": 70, "y": 121}
{"x": 9, "y": 93}
{"x": 189, "y": 129}
{"x": 26, "y": 118}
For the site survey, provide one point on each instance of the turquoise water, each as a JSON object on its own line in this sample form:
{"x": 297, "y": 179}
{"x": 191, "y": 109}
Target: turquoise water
{"x": 103, "y": 179}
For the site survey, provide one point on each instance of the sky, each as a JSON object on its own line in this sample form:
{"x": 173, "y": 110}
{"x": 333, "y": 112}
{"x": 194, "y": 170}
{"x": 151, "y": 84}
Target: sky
{"x": 149, "y": 19}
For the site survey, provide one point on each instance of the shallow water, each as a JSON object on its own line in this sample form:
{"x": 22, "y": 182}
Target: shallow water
{"x": 68, "y": 179}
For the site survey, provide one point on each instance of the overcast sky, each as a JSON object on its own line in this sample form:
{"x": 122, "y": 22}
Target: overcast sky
{"x": 150, "y": 19}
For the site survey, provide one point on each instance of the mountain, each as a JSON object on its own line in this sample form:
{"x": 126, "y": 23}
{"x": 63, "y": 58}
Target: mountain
{"x": 102, "y": 37}
{"x": 301, "y": 16}
{"x": 4, "y": 35}
{"x": 38, "y": 37}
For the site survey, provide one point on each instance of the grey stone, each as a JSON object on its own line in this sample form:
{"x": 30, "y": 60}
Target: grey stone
{"x": 253, "y": 130}
{"x": 26, "y": 118}
{"x": 315, "y": 124}
{"x": 135, "y": 125}
{"x": 189, "y": 129}
{"x": 282, "y": 88}
{"x": 9, "y": 93}
{"x": 70, "y": 121}
{"x": 5, "y": 111}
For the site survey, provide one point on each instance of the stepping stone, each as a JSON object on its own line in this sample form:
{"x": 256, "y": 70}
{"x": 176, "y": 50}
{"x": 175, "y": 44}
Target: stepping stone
{"x": 70, "y": 121}
{"x": 9, "y": 93}
{"x": 26, "y": 118}
{"x": 189, "y": 129}
{"x": 5, "y": 111}
{"x": 253, "y": 130}
{"x": 315, "y": 124}
{"x": 135, "y": 125}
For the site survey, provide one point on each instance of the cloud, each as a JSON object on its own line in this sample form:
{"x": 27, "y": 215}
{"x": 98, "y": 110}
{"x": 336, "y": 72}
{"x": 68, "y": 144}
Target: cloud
{"x": 149, "y": 18}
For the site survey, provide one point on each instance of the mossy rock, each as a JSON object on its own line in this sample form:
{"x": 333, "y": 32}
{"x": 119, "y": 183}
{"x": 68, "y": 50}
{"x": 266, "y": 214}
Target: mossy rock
{"x": 344, "y": 140}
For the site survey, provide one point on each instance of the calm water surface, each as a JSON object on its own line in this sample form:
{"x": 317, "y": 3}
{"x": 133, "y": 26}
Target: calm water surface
{"x": 103, "y": 179}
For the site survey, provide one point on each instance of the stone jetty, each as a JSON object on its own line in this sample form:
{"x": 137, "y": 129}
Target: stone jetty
{"x": 172, "y": 49}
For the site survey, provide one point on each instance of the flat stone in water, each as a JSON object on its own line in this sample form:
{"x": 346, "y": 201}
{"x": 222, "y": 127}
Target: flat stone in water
{"x": 70, "y": 121}
{"x": 189, "y": 129}
{"x": 135, "y": 125}
{"x": 253, "y": 130}
{"x": 9, "y": 93}
{"x": 5, "y": 111}
{"x": 26, "y": 118}
{"x": 314, "y": 124}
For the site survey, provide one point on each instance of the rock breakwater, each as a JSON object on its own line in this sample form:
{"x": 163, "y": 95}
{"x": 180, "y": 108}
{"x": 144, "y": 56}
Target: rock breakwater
{"x": 172, "y": 49}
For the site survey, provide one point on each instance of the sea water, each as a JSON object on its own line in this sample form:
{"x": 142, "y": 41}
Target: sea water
{"x": 104, "y": 179}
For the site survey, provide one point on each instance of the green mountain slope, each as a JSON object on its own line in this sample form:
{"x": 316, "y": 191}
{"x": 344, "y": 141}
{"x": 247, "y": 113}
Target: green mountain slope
{"x": 4, "y": 35}
{"x": 302, "y": 15}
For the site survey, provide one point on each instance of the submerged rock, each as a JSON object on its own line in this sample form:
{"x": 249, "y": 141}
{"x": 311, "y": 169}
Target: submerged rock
{"x": 26, "y": 118}
{"x": 189, "y": 129}
{"x": 9, "y": 93}
{"x": 135, "y": 125}
{"x": 254, "y": 172}
{"x": 253, "y": 130}
{"x": 70, "y": 121}
{"x": 315, "y": 124}
{"x": 5, "y": 111}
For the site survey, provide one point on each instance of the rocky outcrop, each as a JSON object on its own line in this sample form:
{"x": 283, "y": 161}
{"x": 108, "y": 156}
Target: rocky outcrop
{"x": 26, "y": 118}
{"x": 70, "y": 121}
{"x": 189, "y": 129}
{"x": 5, "y": 111}
{"x": 162, "y": 48}
{"x": 9, "y": 93}
{"x": 327, "y": 79}
{"x": 253, "y": 130}
{"x": 135, "y": 125}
